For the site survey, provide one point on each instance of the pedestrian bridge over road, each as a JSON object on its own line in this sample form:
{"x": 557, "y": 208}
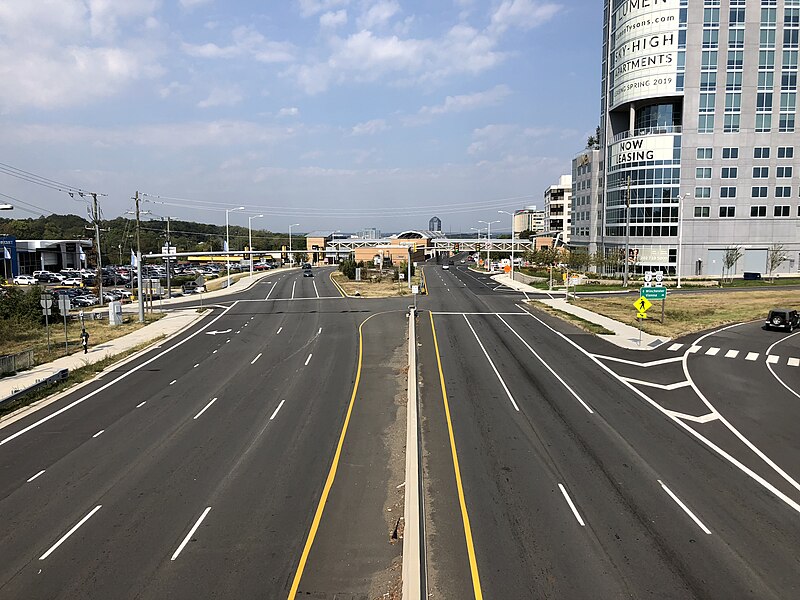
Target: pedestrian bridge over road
{"x": 439, "y": 244}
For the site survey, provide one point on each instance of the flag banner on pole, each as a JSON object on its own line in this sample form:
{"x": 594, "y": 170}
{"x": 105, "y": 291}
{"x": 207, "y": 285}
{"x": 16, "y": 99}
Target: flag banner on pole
{"x": 133, "y": 259}
{"x": 83, "y": 256}
{"x": 6, "y": 254}
{"x": 225, "y": 245}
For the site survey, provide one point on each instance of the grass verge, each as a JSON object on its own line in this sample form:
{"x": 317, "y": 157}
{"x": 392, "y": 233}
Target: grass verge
{"x": 75, "y": 377}
{"x": 385, "y": 288}
{"x": 574, "y": 319}
{"x": 689, "y": 313}
{"x": 16, "y": 338}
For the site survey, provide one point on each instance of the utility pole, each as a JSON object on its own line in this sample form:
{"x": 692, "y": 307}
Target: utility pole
{"x": 627, "y": 232}
{"x": 139, "y": 286}
{"x": 169, "y": 264}
{"x": 96, "y": 220}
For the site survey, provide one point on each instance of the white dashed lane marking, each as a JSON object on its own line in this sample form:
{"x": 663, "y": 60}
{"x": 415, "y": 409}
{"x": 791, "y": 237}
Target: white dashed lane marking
{"x": 731, "y": 354}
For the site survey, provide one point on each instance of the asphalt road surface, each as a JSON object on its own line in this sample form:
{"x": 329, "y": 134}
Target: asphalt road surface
{"x": 260, "y": 454}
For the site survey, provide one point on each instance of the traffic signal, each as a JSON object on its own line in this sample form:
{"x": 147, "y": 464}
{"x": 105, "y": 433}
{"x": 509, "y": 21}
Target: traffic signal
{"x": 455, "y": 247}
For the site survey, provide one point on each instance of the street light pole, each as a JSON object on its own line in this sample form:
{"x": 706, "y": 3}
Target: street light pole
{"x": 228, "y": 241}
{"x": 291, "y": 256}
{"x": 250, "y": 239}
{"x": 488, "y": 243}
{"x": 679, "y": 256}
{"x": 512, "y": 240}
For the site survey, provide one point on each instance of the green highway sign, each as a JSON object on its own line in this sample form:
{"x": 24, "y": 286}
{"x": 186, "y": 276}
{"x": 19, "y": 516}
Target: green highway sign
{"x": 658, "y": 292}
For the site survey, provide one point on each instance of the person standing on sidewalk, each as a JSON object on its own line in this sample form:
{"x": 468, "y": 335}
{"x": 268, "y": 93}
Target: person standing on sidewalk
{"x": 85, "y": 340}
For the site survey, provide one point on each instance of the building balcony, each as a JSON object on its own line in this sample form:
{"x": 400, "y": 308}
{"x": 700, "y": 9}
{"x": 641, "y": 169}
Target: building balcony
{"x": 660, "y": 130}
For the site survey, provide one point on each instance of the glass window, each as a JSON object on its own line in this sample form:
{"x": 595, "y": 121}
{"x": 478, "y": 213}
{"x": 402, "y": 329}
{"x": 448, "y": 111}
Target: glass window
{"x": 736, "y": 59}
{"x": 785, "y": 152}
{"x": 705, "y": 124}
{"x": 758, "y": 211}
{"x": 733, "y": 81}
{"x": 791, "y": 37}
{"x": 708, "y": 60}
{"x": 731, "y": 123}
{"x": 769, "y": 17}
{"x": 783, "y": 191}
{"x": 708, "y": 81}
{"x": 736, "y": 38}
{"x": 784, "y": 172}
{"x": 702, "y": 192}
{"x": 736, "y": 16}
{"x": 703, "y": 172}
{"x": 758, "y": 192}
{"x": 711, "y": 17}
{"x": 766, "y": 80}
{"x": 788, "y": 101}
{"x": 727, "y": 192}
{"x": 764, "y": 101}
{"x": 702, "y": 212}
{"x": 789, "y": 80}
{"x": 766, "y": 59}
{"x": 781, "y": 211}
{"x": 727, "y": 212}
{"x": 786, "y": 123}
{"x": 790, "y": 59}
{"x": 761, "y": 152}
{"x": 767, "y": 38}
{"x": 730, "y": 153}
{"x": 657, "y": 115}
{"x": 705, "y": 153}
{"x": 733, "y": 102}
{"x": 760, "y": 172}
{"x": 710, "y": 38}
{"x": 763, "y": 122}
{"x": 707, "y": 102}
{"x": 729, "y": 172}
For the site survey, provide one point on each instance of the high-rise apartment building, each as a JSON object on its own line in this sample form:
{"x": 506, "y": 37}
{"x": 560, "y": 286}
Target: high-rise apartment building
{"x": 558, "y": 207}
{"x": 587, "y": 217}
{"x": 698, "y": 117}
{"x": 529, "y": 218}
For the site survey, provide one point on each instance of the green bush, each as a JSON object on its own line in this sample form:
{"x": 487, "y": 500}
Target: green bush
{"x": 348, "y": 268}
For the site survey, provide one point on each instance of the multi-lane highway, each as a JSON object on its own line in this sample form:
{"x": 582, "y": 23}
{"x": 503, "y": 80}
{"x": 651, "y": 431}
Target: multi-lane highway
{"x": 260, "y": 454}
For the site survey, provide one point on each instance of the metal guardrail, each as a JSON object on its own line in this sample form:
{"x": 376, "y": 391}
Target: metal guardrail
{"x": 12, "y": 363}
{"x": 54, "y": 378}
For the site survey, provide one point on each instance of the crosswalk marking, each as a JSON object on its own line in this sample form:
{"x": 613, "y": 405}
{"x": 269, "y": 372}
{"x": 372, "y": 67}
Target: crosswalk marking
{"x": 793, "y": 362}
{"x": 693, "y": 349}
{"x": 772, "y": 359}
{"x": 751, "y": 356}
{"x": 675, "y": 347}
{"x": 731, "y": 354}
{"x": 712, "y": 351}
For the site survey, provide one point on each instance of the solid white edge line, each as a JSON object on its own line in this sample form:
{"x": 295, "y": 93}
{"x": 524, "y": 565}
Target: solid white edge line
{"x": 118, "y": 379}
{"x": 205, "y": 408}
{"x": 70, "y": 532}
{"x": 789, "y": 363}
{"x": 571, "y": 505}
{"x": 541, "y": 360}
{"x": 276, "y": 410}
{"x": 685, "y": 508}
{"x": 35, "y": 476}
{"x": 315, "y": 288}
{"x": 738, "y": 464}
{"x": 98, "y": 433}
{"x": 190, "y": 534}
{"x": 308, "y": 360}
{"x": 256, "y": 358}
{"x": 496, "y": 372}
{"x": 272, "y": 289}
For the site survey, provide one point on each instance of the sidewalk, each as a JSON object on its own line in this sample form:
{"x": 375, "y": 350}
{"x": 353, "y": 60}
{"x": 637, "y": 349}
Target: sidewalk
{"x": 506, "y": 280}
{"x": 624, "y": 336}
{"x": 168, "y": 325}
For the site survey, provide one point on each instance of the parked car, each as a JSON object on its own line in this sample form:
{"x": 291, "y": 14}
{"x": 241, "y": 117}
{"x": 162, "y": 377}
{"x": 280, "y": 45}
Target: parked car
{"x": 782, "y": 318}
{"x": 84, "y": 301}
{"x": 25, "y": 280}
{"x": 73, "y": 281}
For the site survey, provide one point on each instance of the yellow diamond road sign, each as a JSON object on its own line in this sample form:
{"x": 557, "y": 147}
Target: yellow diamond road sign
{"x": 642, "y": 304}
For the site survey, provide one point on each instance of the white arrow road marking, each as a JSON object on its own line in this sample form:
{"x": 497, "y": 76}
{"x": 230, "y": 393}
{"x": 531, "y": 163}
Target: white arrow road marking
{"x": 216, "y": 332}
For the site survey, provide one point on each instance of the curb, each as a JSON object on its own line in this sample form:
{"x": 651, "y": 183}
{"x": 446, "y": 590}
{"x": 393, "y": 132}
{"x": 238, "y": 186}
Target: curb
{"x": 414, "y": 580}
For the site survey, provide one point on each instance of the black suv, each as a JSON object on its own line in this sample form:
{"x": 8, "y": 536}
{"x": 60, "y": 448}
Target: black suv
{"x": 782, "y": 318}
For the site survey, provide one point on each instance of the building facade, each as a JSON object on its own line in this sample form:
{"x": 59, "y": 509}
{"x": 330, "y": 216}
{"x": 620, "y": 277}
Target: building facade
{"x": 587, "y": 201}
{"x": 435, "y": 224}
{"x": 699, "y": 101}
{"x": 558, "y": 208}
{"x": 528, "y": 219}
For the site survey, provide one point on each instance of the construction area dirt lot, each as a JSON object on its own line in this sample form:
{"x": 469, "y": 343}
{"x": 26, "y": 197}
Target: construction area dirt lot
{"x": 688, "y": 313}
{"x": 385, "y": 288}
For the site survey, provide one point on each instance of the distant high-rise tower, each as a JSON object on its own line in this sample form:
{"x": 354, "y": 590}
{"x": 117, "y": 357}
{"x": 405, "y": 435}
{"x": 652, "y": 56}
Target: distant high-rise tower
{"x": 435, "y": 224}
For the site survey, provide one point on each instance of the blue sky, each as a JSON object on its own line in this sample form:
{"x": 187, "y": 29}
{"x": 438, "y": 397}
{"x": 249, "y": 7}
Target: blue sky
{"x": 335, "y": 114}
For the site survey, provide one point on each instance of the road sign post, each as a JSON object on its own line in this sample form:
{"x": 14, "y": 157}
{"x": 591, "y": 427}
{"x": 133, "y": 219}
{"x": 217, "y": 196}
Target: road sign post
{"x": 46, "y": 302}
{"x": 656, "y": 292}
{"x": 64, "y": 305}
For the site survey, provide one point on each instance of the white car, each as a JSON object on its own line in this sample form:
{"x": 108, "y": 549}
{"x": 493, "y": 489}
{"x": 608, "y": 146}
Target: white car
{"x": 25, "y": 280}
{"x": 73, "y": 281}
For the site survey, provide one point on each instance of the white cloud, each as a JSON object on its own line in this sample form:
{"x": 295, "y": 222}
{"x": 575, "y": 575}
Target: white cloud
{"x": 332, "y": 20}
{"x": 172, "y": 88}
{"x": 289, "y": 112}
{"x": 525, "y": 14}
{"x": 461, "y": 103}
{"x": 309, "y": 8}
{"x": 378, "y": 14}
{"x": 57, "y": 53}
{"x": 366, "y": 57}
{"x": 370, "y": 127}
{"x": 247, "y": 42}
{"x": 219, "y": 96}
{"x": 192, "y": 4}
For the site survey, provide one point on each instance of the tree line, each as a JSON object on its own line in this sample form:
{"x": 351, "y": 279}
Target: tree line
{"x": 118, "y": 236}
